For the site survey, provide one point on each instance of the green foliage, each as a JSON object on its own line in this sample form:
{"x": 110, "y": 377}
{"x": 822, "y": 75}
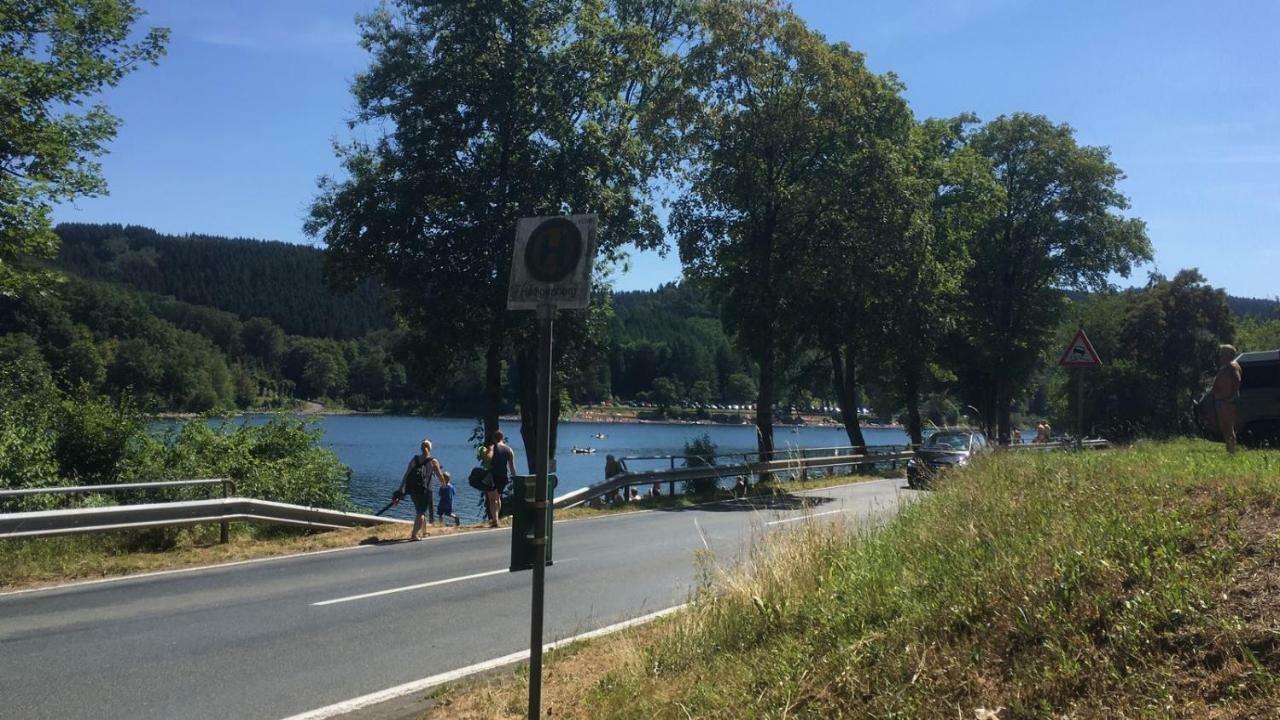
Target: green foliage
{"x": 1058, "y": 225}
{"x": 96, "y": 436}
{"x": 1253, "y": 335}
{"x": 48, "y": 437}
{"x": 276, "y": 281}
{"x": 1052, "y": 585}
{"x": 783, "y": 126}
{"x": 1159, "y": 346}
{"x": 54, "y": 58}
{"x": 27, "y": 402}
{"x": 480, "y": 114}
{"x": 281, "y": 461}
{"x": 700, "y": 452}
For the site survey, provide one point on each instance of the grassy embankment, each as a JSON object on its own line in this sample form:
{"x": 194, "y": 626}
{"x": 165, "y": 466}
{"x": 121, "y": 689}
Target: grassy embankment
{"x": 1136, "y": 583}
{"x": 44, "y": 561}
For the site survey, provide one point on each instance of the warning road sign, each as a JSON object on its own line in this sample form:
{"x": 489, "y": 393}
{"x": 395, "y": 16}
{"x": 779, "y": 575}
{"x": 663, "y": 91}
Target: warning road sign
{"x": 551, "y": 262}
{"x": 1080, "y": 353}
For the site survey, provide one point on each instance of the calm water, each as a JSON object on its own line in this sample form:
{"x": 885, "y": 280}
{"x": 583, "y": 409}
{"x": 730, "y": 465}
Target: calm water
{"x": 377, "y": 448}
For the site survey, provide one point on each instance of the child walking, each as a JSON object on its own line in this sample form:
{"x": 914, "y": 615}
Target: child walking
{"x": 445, "y": 506}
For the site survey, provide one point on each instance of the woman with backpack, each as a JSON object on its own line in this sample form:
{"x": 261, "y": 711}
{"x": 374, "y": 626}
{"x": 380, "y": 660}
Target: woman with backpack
{"x": 416, "y": 483}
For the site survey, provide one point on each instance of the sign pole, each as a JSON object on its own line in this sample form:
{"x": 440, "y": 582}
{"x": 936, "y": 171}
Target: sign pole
{"x": 546, "y": 323}
{"x": 550, "y": 269}
{"x": 1079, "y": 408}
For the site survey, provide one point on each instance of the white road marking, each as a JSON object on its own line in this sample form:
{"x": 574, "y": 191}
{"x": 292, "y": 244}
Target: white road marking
{"x": 804, "y": 517}
{"x": 179, "y": 571}
{"x": 407, "y": 588}
{"x": 391, "y": 693}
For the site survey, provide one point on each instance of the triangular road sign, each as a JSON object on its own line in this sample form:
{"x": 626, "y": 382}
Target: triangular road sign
{"x": 1080, "y": 352}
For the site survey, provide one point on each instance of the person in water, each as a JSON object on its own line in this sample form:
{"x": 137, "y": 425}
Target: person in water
{"x": 501, "y": 460}
{"x": 416, "y": 483}
{"x": 1226, "y": 394}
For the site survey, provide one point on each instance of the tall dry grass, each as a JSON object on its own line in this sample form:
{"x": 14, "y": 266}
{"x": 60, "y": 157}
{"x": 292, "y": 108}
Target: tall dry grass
{"x": 1049, "y": 585}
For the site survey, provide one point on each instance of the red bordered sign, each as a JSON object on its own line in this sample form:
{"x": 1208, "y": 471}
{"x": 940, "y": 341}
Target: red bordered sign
{"x": 1080, "y": 353}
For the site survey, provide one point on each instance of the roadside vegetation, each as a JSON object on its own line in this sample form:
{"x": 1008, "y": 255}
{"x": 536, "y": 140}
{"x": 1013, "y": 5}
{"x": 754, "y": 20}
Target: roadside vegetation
{"x": 1126, "y": 583}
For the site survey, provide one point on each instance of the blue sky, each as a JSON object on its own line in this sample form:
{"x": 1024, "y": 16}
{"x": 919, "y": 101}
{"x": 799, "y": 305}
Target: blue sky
{"x": 229, "y": 133}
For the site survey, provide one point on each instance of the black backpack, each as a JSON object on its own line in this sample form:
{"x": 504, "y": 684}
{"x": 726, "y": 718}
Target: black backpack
{"x": 479, "y": 479}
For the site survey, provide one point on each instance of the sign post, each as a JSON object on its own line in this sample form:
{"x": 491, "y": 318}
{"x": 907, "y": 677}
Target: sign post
{"x": 550, "y": 269}
{"x": 1080, "y": 355}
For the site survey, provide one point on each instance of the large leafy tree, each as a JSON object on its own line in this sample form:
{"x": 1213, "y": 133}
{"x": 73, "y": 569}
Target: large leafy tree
{"x": 781, "y": 111}
{"x": 55, "y": 57}
{"x": 1059, "y": 225}
{"x": 856, "y": 261}
{"x": 480, "y": 113}
{"x": 1173, "y": 329}
{"x": 945, "y": 194}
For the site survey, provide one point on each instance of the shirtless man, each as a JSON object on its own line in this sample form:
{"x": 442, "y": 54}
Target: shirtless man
{"x": 1226, "y": 394}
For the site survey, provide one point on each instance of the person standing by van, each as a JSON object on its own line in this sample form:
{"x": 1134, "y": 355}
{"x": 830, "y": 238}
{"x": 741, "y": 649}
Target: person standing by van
{"x": 1226, "y": 394}
{"x": 501, "y": 460}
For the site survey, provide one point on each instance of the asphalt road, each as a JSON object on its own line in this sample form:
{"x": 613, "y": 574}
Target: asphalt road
{"x": 274, "y": 638}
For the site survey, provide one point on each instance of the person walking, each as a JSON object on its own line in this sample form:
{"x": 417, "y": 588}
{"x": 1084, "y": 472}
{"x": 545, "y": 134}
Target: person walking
{"x": 501, "y": 460}
{"x": 416, "y": 483}
{"x": 445, "y": 506}
{"x": 1226, "y": 394}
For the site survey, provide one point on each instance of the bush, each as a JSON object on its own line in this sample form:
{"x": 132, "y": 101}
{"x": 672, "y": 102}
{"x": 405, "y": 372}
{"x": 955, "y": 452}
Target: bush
{"x": 700, "y": 452}
{"x": 27, "y": 399}
{"x": 281, "y": 461}
{"x": 94, "y": 436}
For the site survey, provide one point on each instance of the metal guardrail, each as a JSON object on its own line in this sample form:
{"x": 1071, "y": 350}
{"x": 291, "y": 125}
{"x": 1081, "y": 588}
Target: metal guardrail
{"x": 43, "y": 523}
{"x": 228, "y": 487}
{"x": 674, "y": 475}
{"x": 145, "y": 515}
{"x": 801, "y": 461}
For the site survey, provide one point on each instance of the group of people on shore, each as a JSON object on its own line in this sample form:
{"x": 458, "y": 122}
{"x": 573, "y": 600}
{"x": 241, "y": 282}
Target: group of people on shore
{"x": 497, "y": 465}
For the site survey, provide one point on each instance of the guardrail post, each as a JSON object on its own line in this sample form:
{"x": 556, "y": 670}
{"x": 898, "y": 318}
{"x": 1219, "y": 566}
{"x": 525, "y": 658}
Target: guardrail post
{"x": 224, "y": 535}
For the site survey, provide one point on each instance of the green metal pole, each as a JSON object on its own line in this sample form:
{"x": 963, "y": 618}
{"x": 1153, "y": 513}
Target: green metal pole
{"x": 546, "y": 319}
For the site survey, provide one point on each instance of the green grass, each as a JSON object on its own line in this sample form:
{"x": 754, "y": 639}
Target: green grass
{"x": 1137, "y": 583}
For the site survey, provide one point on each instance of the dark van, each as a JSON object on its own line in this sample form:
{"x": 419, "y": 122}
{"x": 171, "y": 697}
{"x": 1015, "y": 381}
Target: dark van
{"x": 1258, "y": 415}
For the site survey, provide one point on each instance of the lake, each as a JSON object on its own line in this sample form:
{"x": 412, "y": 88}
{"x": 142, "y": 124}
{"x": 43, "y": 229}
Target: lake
{"x": 377, "y": 448}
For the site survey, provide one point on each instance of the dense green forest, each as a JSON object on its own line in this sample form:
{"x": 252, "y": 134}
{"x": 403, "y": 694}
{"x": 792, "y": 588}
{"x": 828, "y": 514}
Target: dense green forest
{"x": 104, "y": 327}
{"x": 248, "y": 278}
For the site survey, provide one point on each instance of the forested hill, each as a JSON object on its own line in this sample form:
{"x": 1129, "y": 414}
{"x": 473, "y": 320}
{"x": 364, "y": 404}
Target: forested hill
{"x": 1253, "y": 308}
{"x": 250, "y": 278}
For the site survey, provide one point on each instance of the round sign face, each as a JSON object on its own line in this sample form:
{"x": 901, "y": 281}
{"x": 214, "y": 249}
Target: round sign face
{"x": 554, "y": 249}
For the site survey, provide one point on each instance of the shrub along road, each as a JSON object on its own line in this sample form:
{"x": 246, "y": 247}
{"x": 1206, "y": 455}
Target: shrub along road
{"x": 271, "y": 638}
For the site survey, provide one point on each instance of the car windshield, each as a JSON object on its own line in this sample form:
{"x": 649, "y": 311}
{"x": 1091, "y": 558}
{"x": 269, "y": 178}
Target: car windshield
{"x": 948, "y": 441}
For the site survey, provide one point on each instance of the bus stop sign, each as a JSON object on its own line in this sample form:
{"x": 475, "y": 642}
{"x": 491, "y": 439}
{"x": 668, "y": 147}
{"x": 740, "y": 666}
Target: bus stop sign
{"x": 551, "y": 262}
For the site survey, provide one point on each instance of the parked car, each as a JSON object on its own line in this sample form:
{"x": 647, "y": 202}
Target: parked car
{"x": 944, "y": 449}
{"x": 1258, "y": 410}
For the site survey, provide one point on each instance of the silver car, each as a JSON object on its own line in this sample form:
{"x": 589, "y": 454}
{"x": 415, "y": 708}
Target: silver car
{"x": 942, "y": 450}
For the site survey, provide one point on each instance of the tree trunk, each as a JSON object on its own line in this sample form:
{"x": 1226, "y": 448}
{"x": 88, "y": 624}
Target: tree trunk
{"x": 527, "y": 378}
{"x": 764, "y": 404}
{"x": 527, "y": 388}
{"x": 911, "y": 392}
{"x": 1004, "y": 403}
{"x": 846, "y": 387}
{"x": 492, "y": 387}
